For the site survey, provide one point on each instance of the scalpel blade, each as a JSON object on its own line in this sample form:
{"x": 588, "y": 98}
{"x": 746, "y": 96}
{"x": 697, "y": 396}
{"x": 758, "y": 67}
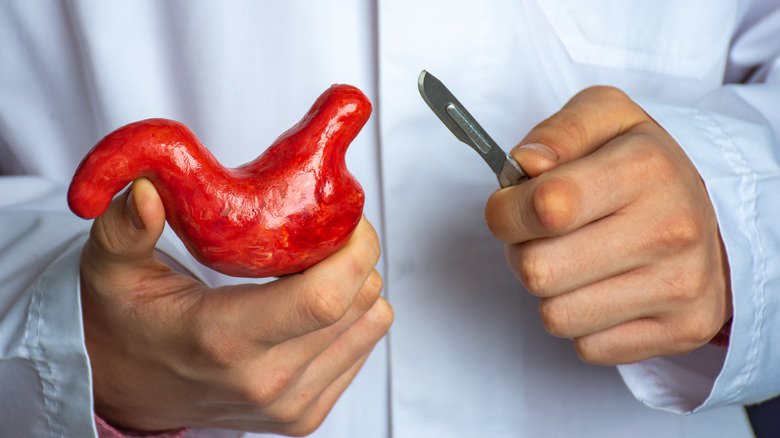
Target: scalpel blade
{"x": 458, "y": 120}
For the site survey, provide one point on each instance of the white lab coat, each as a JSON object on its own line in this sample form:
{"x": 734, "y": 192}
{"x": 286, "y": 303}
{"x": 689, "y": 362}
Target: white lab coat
{"x": 467, "y": 355}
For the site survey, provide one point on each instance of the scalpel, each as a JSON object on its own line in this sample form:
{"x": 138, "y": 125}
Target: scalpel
{"x": 466, "y": 129}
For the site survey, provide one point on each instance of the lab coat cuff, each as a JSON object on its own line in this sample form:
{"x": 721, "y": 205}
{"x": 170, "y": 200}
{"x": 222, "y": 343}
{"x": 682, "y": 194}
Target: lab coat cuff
{"x": 732, "y": 147}
{"x": 54, "y": 343}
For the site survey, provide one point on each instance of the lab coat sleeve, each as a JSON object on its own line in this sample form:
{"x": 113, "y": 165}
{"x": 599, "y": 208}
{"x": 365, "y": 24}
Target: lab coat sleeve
{"x": 45, "y": 378}
{"x": 732, "y": 135}
{"x": 44, "y": 371}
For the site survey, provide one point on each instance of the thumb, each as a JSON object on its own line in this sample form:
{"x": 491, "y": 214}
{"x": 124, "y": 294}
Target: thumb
{"x": 132, "y": 224}
{"x": 589, "y": 120}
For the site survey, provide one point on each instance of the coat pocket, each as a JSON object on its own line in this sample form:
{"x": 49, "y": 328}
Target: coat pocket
{"x": 678, "y": 37}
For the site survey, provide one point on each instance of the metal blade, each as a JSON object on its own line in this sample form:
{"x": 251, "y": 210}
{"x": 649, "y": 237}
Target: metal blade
{"x": 463, "y": 125}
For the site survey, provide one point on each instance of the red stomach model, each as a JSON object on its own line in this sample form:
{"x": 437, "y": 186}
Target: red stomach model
{"x": 288, "y": 209}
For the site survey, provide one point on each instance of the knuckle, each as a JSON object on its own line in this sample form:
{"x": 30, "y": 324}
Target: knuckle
{"x": 689, "y": 290}
{"x": 218, "y": 351}
{"x": 267, "y": 390}
{"x": 353, "y": 266}
{"x": 305, "y": 426}
{"x": 323, "y": 305}
{"x": 699, "y": 329}
{"x": 590, "y": 352}
{"x": 110, "y": 233}
{"x": 652, "y": 163}
{"x": 358, "y": 263}
{"x": 535, "y": 273}
{"x": 682, "y": 230}
{"x": 375, "y": 282}
{"x": 369, "y": 247}
{"x": 563, "y": 128}
{"x": 370, "y": 292}
{"x": 382, "y": 318}
{"x": 686, "y": 286}
{"x": 555, "y": 203}
{"x": 293, "y": 412}
{"x": 373, "y": 248}
{"x": 556, "y": 317}
{"x": 105, "y": 239}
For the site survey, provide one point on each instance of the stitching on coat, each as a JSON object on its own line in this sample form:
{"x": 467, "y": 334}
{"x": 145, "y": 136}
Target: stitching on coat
{"x": 34, "y": 347}
{"x": 747, "y": 188}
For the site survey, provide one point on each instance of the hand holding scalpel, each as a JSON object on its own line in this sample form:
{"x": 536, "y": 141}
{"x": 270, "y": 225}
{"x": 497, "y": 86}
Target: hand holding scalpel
{"x": 466, "y": 129}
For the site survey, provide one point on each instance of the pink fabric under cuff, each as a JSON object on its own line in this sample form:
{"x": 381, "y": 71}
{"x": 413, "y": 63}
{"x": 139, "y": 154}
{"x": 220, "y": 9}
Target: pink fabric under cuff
{"x": 106, "y": 430}
{"x": 722, "y": 338}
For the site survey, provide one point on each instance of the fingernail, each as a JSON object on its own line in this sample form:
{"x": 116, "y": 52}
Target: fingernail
{"x": 540, "y": 149}
{"x": 131, "y": 211}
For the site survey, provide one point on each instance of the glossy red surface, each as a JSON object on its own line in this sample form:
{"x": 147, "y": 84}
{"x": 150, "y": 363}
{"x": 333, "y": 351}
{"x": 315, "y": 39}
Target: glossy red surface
{"x": 288, "y": 209}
